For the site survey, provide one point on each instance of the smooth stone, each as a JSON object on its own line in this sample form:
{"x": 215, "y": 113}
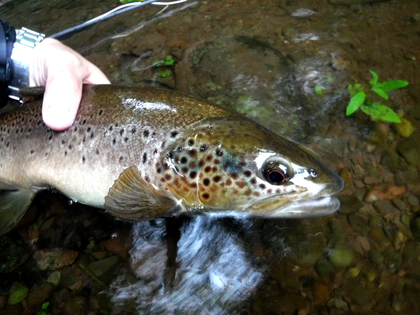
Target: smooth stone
{"x": 385, "y": 207}
{"x": 40, "y": 294}
{"x": 375, "y": 256}
{"x": 54, "y": 278}
{"x": 103, "y": 266}
{"x": 19, "y": 293}
{"x": 76, "y": 305}
{"x": 409, "y": 149}
{"x": 341, "y": 257}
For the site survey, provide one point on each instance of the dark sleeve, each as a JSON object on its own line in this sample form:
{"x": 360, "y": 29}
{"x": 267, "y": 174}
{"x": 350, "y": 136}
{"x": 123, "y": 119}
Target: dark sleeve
{"x": 7, "y": 38}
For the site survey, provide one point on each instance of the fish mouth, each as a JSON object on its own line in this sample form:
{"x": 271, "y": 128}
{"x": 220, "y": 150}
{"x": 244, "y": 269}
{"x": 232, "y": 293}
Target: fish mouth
{"x": 300, "y": 206}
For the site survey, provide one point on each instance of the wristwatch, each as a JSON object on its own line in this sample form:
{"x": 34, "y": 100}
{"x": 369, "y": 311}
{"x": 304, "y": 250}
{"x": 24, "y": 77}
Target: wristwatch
{"x": 26, "y": 40}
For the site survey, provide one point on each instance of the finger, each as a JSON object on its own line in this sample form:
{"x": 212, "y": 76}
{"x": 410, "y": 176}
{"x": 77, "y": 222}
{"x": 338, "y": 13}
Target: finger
{"x": 62, "y": 97}
{"x": 95, "y": 76}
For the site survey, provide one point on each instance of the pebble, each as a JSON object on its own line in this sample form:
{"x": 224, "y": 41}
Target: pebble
{"x": 412, "y": 200}
{"x": 102, "y": 266}
{"x": 369, "y": 180}
{"x": 410, "y": 150}
{"x": 341, "y": 257}
{"x": 53, "y": 259}
{"x": 324, "y": 267}
{"x": 18, "y": 294}
{"x": 399, "y": 204}
{"x": 375, "y": 256}
{"x": 385, "y": 207}
{"x": 76, "y": 305}
{"x": 405, "y": 128}
{"x": 54, "y": 278}
{"x": 384, "y": 192}
{"x": 40, "y": 294}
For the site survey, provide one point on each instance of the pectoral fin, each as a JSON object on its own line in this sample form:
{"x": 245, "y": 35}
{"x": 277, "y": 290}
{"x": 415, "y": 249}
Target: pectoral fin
{"x": 131, "y": 198}
{"x": 13, "y": 205}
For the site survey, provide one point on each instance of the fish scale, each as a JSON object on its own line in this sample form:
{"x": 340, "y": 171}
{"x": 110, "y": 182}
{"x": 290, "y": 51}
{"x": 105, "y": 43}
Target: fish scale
{"x": 142, "y": 153}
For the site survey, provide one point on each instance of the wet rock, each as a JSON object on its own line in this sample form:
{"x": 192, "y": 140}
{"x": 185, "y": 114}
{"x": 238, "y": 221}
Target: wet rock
{"x": 339, "y": 303}
{"x": 40, "y": 294}
{"x": 53, "y": 259}
{"x": 3, "y": 302}
{"x": 324, "y": 267}
{"x": 384, "y": 192}
{"x": 358, "y": 223}
{"x": 354, "y": 2}
{"x": 406, "y": 175}
{"x": 77, "y": 286}
{"x": 321, "y": 293}
{"x": 399, "y": 204}
{"x": 119, "y": 245}
{"x": 409, "y": 149}
{"x": 292, "y": 303}
{"x": 412, "y": 200}
{"x": 375, "y": 257}
{"x": 54, "y": 278}
{"x": 18, "y": 294}
{"x": 392, "y": 259}
{"x": 415, "y": 227}
{"x": 341, "y": 257}
{"x": 376, "y": 221}
{"x": 349, "y": 204}
{"x": 103, "y": 266}
{"x": 405, "y": 128}
{"x": 360, "y": 294}
{"x": 76, "y": 305}
{"x": 385, "y": 207}
{"x": 391, "y": 161}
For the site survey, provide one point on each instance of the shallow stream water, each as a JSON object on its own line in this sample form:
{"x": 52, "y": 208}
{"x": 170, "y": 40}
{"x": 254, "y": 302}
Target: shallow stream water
{"x": 263, "y": 59}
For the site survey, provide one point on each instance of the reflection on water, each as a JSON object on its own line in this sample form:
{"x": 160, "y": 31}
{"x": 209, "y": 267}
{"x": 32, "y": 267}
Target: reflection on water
{"x": 214, "y": 273}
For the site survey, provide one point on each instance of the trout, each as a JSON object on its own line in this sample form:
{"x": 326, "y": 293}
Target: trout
{"x": 142, "y": 153}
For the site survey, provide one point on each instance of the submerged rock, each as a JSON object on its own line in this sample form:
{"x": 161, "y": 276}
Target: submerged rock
{"x": 40, "y": 294}
{"x": 53, "y": 259}
{"x": 410, "y": 150}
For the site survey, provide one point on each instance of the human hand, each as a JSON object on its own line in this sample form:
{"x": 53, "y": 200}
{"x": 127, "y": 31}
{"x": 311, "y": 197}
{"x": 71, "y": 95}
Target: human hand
{"x": 62, "y": 71}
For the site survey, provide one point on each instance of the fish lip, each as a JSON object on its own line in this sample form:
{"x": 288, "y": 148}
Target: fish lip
{"x": 305, "y": 208}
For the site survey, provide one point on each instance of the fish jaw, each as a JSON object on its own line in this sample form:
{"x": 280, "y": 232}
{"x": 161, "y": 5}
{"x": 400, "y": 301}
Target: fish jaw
{"x": 309, "y": 203}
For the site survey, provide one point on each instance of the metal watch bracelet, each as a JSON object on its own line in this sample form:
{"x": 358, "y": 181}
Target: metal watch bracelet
{"x": 26, "y": 40}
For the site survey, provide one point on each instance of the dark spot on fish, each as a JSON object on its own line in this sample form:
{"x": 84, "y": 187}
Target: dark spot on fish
{"x": 84, "y": 122}
{"x": 200, "y": 163}
{"x": 65, "y": 153}
{"x": 38, "y": 123}
{"x": 144, "y": 157}
{"x": 269, "y": 191}
{"x": 216, "y": 161}
{"x": 110, "y": 128}
{"x": 121, "y": 158}
{"x": 32, "y": 151}
{"x": 147, "y": 179}
{"x": 192, "y": 153}
{"x": 191, "y": 164}
{"x": 84, "y": 139}
{"x": 153, "y": 134}
{"x": 234, "y": 175}
{"x": 88, "y": 129}
{"x": 158, "y": 170}
{"x": 146, "y": 133}
{"x": 50, "y": 137}
{"x": 46, "y": 153}
{"x": 193, "y": 185}
{"x": 240, "y": 184}
{"x": 209, "y": 158}
{"x": 247, "y": 173}
{"x": 253, "y": 181}
{"x": 97, "y": 152}
{"x": 168, "y": 177}
{"x": 180, "y": 148}
{"x": 242, "y": 163}
{"x": 185, "y": 169}
{"x": 219, "y": 152}
{"x": 184, "y": 160}
{"x": 204, "y": 147}
{"x": 248, "y": 192}
{"x": 75, "y": 129}
{"x": 162, "y": 179}
{"x": 155, "y": 151}
{"x": 63, "y": 141}
{"x": 92, "y": 135}
{"x": 191, "y": 142}
{"x": 193, "y": 174}
{"x": 214, "y": 169}
{"x": 100, "y": 112}
{"x": 206, "y": 196}
{"x": 174, "y": 134}
{"x": 133, "y": 131}
{"x": 256, "y": 194}
{"x": 206, "y": 182}
{"x": 125, "y": 139}
{"x": 121, "y": 132}
{"x": 114, "y": 141}
{"x": 207, "y": 169}
{"x": 217, "y": 178}
{"x": 83, "y": 159}
{"x": 278, "y": 190}
{"x": 163, "y": 144}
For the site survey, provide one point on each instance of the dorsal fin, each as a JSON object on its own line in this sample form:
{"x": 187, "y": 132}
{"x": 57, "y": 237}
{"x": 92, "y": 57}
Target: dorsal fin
{"x": 131, "y": 198}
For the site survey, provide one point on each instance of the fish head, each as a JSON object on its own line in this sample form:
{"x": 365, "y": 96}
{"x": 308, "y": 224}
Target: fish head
{"x": 233, "y": 165}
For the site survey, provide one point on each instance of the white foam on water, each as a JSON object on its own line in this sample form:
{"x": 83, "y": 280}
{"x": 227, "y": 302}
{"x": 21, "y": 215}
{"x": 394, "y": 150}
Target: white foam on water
{"x": 214, "y": 273}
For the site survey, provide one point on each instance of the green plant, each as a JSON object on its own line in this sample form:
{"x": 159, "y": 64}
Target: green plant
{"x": 44, "y": 309}
{"x": 374, "y": 109}
{"x": 168, "y": 61}
{"x": 318, "y": 90}
{"x": 165, "y": 73}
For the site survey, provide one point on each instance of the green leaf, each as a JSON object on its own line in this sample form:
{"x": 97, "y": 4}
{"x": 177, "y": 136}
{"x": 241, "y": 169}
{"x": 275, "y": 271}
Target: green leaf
{"x": 165, "y": 73}
{"x": 318, "y": 90}
{"x": 353, "y": 90}
{"x": 355, "y": 103}
{"x": 380, "y": 111}
{"x": 391, "y": 85}
{"x": 380, "y": 92}
{"x": 375, "y": 78}
{"x": 169, "y": 60}
{"x": 45, "y": 305}
{"x": 329, "y": 80}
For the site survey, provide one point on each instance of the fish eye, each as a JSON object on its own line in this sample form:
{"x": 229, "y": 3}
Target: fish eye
{"x": 277, "y": 171}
